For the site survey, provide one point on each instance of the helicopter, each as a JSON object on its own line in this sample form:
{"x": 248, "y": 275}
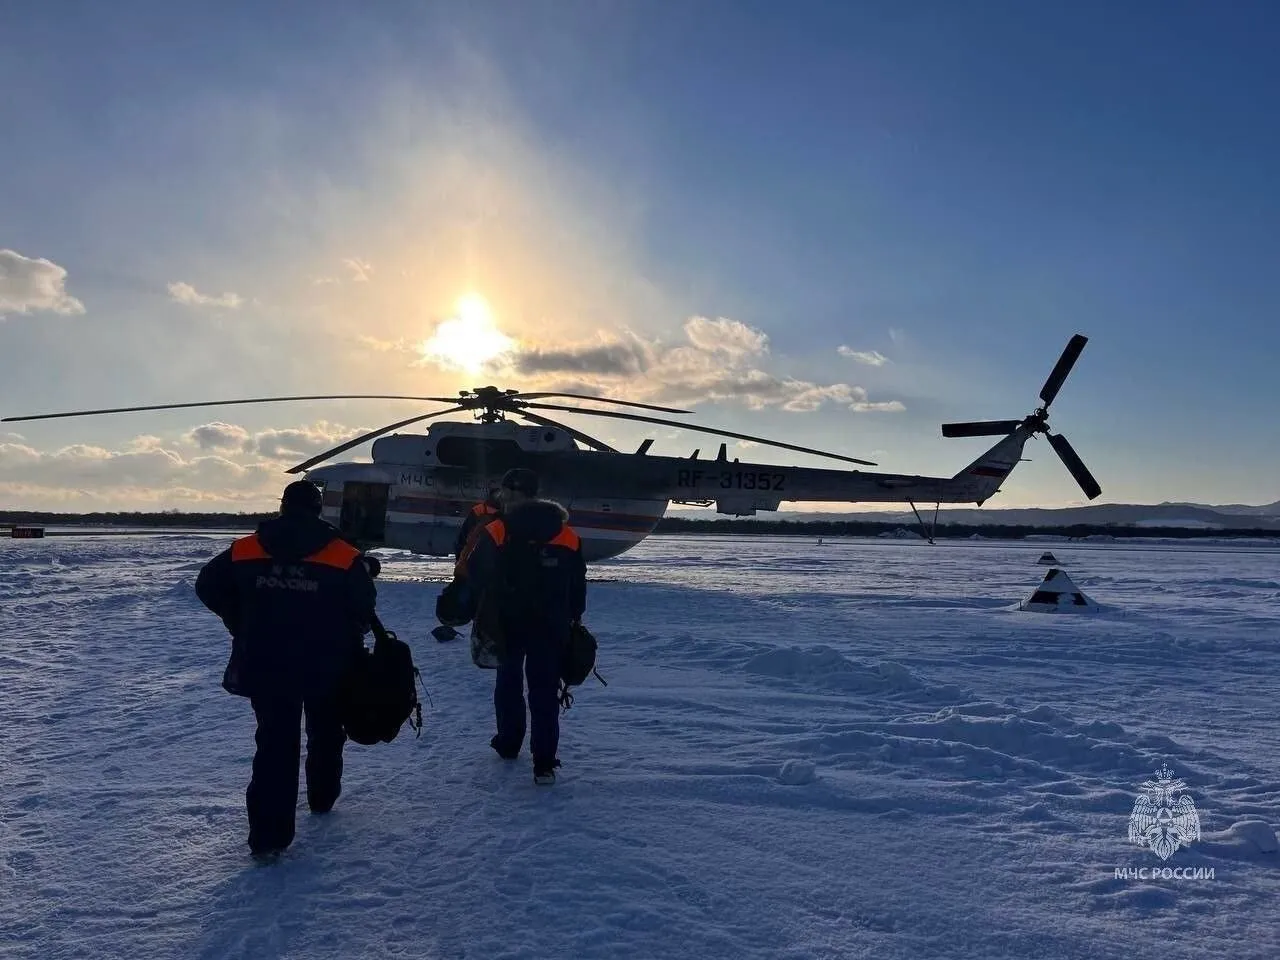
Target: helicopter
{"x": 418, "y": 488}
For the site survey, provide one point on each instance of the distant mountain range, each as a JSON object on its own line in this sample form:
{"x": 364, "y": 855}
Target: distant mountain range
{"x": 1234, "y": 516}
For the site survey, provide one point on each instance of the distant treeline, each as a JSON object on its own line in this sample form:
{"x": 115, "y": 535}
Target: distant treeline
{"x": 165, "y": 519}
{"x": 806, "y": 528}
{"x": 950, "y": 531}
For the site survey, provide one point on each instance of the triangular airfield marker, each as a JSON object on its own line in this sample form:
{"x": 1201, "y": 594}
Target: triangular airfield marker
{"x": 1058, "y": 594}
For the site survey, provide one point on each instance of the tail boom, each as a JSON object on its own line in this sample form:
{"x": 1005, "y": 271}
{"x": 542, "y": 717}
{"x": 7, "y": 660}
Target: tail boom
{"x": 741, "y": 489}
{"x": 981, "y": 480}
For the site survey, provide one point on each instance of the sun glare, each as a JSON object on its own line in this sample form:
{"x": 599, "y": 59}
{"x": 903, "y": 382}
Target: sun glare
{"x": 469, "y": 339}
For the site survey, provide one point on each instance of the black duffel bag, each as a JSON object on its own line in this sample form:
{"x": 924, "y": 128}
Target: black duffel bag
{"x": 577, "y": 661}
{"x": 381, "y": 691}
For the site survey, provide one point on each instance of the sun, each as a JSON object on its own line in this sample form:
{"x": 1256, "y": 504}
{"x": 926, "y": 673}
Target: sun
{"x": 469, "y": 339}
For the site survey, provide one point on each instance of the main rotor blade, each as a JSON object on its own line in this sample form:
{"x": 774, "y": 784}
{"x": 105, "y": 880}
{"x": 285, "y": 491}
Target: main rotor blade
{"x": 1074, "y": 464}
{"x": 696, "y": 429}
{"x": 220, "y": 403}
{"x": 576, "y": 434}
{"x": 979, "y": 428}
{"x": 306, "y": 465}
{"x": 583, "y": 396}
{"x": 1063, "y": 367}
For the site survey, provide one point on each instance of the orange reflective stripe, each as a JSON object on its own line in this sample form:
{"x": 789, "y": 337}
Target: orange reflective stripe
{"x": 483, "y": 509}
{"x": 337, "y": 553}
{"x": 248, "y": 548}
{"x": 460, "y": 565}
{"x": 565, "y": 538}
{"x": 499, "y": 534}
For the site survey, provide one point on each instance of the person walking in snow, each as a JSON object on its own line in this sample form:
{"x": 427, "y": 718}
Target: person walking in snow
{"x": 484, "y": 512}
{"x": 529, "y": 574}
{"x": 298, "y": 600}
{"x": 456, "y": 603}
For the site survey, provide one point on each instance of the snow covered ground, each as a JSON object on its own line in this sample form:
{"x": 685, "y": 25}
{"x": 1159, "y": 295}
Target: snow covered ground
{"x": 846, "y": 750}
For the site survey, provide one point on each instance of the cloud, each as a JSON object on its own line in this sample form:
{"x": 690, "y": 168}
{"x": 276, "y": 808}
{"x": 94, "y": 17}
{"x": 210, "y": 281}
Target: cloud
{"x": 274, "y": 443}
{"x": 301, "y": 442}
{"x": 873, "y": 358}
{"x": 186, "y": 294}
{"x": 144, "y": 443}
{"x": 359, "y": 269}
{"x": 689, "y": 384}
{"x": 883, "y": 406}
{"x": 618, "y": 358}
{"x": 219, "y": 436}
{"x": 388, "y": 346}
{"x": 28, "y": 285}
{"x": 138, "y": 466}
{"x": 725, "y": 336}
{"x": 719, "y": 360}
{"x": 573, "y": 385}
{"x": 213, "y": 466}
{"x": 69, "y": 499}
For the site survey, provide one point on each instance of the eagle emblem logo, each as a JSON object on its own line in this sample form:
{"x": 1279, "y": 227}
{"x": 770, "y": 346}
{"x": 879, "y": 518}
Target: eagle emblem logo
{"x": 1164, "y": 817}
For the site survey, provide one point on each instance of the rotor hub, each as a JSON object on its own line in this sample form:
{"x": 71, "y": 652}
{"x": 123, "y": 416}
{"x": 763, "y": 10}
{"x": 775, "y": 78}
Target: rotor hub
{"x": 490, "y": 404}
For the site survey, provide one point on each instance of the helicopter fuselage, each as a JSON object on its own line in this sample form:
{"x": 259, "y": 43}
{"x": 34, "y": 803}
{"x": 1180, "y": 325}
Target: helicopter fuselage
{"x": 419, "y": 488}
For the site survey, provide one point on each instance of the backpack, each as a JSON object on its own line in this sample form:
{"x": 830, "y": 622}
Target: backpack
{"x": 518, "y": 589}
{"x": 577, "y": 662}
{"x": 514, "y": 594}
{"x": 381, "y": 691}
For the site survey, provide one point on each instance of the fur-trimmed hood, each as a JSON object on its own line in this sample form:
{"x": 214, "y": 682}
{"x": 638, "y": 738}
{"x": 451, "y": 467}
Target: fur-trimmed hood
{"x": 538, "y": 520}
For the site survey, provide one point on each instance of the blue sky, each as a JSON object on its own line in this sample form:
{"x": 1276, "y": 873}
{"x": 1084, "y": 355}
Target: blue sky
{"x": 949, "y": 190}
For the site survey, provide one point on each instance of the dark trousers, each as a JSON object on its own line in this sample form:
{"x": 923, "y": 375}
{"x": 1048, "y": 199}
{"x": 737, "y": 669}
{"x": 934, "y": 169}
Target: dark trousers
{"x": 535, "y": 659}
{"x": 272, "y": 796}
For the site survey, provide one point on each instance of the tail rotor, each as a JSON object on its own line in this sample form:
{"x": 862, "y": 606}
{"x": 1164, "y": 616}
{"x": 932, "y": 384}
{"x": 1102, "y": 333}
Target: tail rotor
{"x": 1063, "y": 367}
{"x": 1074, "y": 464}
{"x": 1038, "y": 421}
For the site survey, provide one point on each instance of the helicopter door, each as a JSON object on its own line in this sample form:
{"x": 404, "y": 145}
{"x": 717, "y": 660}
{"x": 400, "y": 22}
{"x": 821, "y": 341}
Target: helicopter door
{"x": 364, "y": 512}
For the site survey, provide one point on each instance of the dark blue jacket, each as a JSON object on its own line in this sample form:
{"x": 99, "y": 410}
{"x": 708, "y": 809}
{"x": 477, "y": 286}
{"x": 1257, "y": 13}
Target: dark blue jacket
{"x": 297, "y": 601}
{"x": 529, "y": 563}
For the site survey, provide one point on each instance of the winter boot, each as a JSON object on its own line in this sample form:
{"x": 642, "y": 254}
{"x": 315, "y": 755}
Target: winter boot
{"x": 505, "y": 752}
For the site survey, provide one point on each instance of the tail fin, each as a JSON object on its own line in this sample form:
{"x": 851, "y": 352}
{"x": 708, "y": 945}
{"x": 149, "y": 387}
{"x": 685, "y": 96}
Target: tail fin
{"x": 985, "y": 475}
